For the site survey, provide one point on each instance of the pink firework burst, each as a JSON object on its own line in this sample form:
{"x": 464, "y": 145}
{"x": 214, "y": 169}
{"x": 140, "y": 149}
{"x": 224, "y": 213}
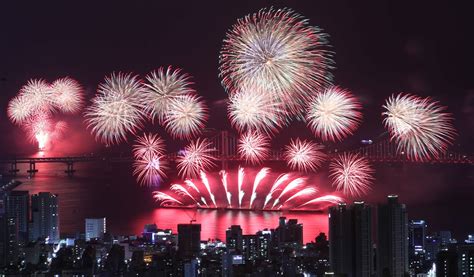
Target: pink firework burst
{"x": 33, "y": 98}
{"x": 68, "y": 95}
{"x": 196, "y": 157}
{"x": 117, "y": 109}
{"x": 420, "y": 126}
{"x": 148, "y": 144}
{"x": 334, "y": 114}
{"x": 352, "y": 174}
{"x": 186, "y": 116}
{"x": 254, "y": 147}
{"x": 150, "y": 169}
{"x": 279, "y": 52}
{"x": 304, "y": 155}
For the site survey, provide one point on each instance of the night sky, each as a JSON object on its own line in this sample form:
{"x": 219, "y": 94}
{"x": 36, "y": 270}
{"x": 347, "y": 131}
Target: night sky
{"x": 382, "y": 47}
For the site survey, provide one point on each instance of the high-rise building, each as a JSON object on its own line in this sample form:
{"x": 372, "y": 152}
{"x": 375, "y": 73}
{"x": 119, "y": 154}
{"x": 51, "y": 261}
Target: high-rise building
{"x": 95, "y": 228}
{"x": 416, "y": 236}
{"x": 392, "y": 238}
{"x": 446, "y": 263}
{"x": 264, "y": 241}
{"x": 45, "y": 217}
{"x": 466, "y": 259}
{"x": 8, "y": 240}
{"x": 250, "y": 247}
{"x": 289, "y": 232}
{"x": 17, "y": 206}
{"x": 350, "y": 239}
{"x": 189, "y": 240}
{"x": 233, "y": 238}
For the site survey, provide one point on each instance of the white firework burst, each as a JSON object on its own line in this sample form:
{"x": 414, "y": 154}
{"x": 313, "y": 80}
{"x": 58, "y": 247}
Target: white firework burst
{"x": 186, "y": 117}
{"x": 163, "y": 87}
{"x": 117, "y": 109}
{"x": 254, "y": 147}
{"x": 304, "y": 155}
{"x": 334, "y": 114}
{"x": 148, "y": 144}
{"x": 67, "y": 95}
{"x": 196, "y": 157}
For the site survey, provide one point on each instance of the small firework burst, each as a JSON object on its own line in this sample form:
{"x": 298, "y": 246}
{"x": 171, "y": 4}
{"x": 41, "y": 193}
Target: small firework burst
{"x": 304, "y": 155}
{"x": 254, "y": 147}
{"x": 352, "y": 174}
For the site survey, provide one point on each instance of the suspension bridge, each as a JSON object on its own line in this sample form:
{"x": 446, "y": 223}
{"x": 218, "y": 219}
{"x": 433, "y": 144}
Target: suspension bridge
{"x": 224, "y": 149}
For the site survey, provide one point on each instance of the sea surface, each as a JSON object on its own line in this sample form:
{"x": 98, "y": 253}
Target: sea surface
{"x": 440, "y": 194}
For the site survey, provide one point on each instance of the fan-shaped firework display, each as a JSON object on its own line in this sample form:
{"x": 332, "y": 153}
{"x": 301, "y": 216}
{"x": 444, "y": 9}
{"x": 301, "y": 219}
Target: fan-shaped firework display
{"x": 117, "y": 109}
{"x": 420, "y": 126}
{"x": 304, "y": 155}
{"x": 195, "y": 157}
{"x": 334, "y": 114}
{"x": 247, "y": 190}
{"x": 279, "y": 52}
{"x": 33, "y": 108}
{"x": 163, "y": 87}
{"x": 254, "y": 147}
{"x": 352, "y": 174}
{"x": 186, "y": 116}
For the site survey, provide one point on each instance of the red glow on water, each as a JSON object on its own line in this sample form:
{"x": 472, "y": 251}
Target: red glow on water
{"x": 214, "y": 223}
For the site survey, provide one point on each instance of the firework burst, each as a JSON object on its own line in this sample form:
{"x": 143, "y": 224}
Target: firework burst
{"x": 68, "y": 95}
{"x": 254, "y": 147}
{"x": 150, "y": 169}
{"x": 352, "y": 174}
{"x": 117, "y": 109}
{"x": 186, "y": 117}
{"x": 304, "y": 155}
{"x": 254, "y": 110}
{"x": 334, "y": 114}
{"x": 197, "y": 156}
{"x": 34, "y": 97}
{"x": 164, "y": 86}
{"x": 276, "y": 50}
{"x": 148, "y": 144}
{"x": 420, "y": 126}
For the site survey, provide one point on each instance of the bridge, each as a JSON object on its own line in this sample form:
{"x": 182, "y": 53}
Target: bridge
{"x": 224, "y": 149}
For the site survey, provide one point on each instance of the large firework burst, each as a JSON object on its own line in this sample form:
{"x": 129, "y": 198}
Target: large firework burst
{"x": 148, "y": 144}
{"x": 252, "y": 109}
{"x": 164, "y": 86}
{"x": 351, "y": 173}
{"x": 117, "y": 109}
{"x": 254, "y": 147}
{"x": 420, "y": 126}
{"x": 34, "y": 97}
{"x": 278, "y": 51}
{"x": 186, "y": 116}
{"x": 334, "y": 114}
{"x": 304, "y": 155}
{"x": 67, "y": 95}
{"x": 196, "y": 157}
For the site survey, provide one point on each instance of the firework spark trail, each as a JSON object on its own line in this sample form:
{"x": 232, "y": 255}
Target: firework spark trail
{"x": 282, "y": 178}
{"x": 163, "y": 87}
{"x": 260, "y": 176}
{"x": 420, "y": 126}
{"x": 303, "y": 192}
{"x": 240, "y": 180}
{"x": 291, "y": 186}
{"x": 205, "y": 181}
{"x": 276, "y": 50}
{"x": 223, "y": 174}
{"x": 334, "y": 114}
{"x": 179, "y": 189}
{"x": 351, "y": 173}
{"x": 326, "y": 198}
{"x": 148, "y": 144}
{"x": 165, "y": 198}
{"x": 192, "y": 185}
